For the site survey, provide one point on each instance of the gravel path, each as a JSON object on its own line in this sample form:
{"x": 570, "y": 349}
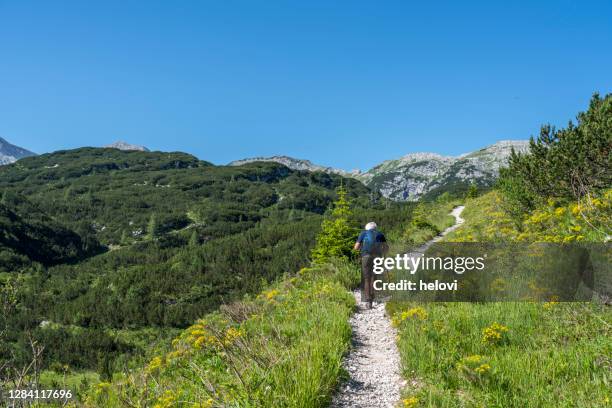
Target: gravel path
{"x": 373, "y": 363}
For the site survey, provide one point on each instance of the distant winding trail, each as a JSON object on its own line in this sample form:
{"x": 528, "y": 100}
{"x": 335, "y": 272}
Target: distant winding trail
{"x": 374, "y": 362}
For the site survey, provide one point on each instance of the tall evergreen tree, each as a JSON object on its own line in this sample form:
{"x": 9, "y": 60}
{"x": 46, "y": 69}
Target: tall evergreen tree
{"x": 194, "y": 240}
{"x": 152, "y": 227}
{"x": 337, "y": 232}
{"x": 124, "y": 238}
{"x": 472, "y": 190}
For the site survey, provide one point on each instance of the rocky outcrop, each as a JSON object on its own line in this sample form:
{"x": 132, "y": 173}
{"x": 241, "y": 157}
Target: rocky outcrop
{"x": 121, "y": 145}
{"x": 294, "y": 164}
{"x": 10, "y": 153}
{"x": 418, "y": 174}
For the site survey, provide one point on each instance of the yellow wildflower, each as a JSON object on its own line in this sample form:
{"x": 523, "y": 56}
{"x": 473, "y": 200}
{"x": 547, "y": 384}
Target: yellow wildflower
{"x": 205, "y": 340}
{"x": 204, "y": 404}
{"x": 494, "y": 333}
{"x": 167, "y": 400}
{"x": 271, "y": 294}
{"x": 472, "y": 359}
{"x": 410, "y": 402}
{"x": 176, "y": 354}
{"x": 155, "y": 364}
{"x": 474, "y": 367}
{"x": 416, "y": 312}
{"x": 549, "y": 305}
{"x": 102, "y": 388}
{"x": 483, "y": 368}
{"x": 231, "y": 335}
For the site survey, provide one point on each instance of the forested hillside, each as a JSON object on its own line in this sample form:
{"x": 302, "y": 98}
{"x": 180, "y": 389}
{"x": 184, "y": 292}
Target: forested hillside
{"x": 27, "y": 234}
{"x": 113, "y": 197}
{"x": 106, "y": 251}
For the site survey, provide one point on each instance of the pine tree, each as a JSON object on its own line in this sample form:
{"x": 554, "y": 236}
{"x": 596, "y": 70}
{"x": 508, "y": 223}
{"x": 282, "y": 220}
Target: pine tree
{"x": 337, "y": 234}
{"x": 563, "y": 164}
{"x": 444, "y": 198}
{"x": 472, "y": 191}
{"x": 105, "y": 369}
{"x": 194, "y": 240}
{"x": 68, "y": 193}
{"x": 124, "y": 238}
{"x": 419, "y": 216}
{"x": 152, "y": 228}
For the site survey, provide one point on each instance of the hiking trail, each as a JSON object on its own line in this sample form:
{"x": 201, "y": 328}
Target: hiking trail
{"x": 373, "y": 362}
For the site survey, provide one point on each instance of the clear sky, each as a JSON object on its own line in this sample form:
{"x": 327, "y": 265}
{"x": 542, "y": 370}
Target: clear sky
{"x": 342, "y": 83}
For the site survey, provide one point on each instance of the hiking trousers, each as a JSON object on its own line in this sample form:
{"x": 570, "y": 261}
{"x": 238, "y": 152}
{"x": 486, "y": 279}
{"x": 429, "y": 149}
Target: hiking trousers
{"x": 367, "y": 278}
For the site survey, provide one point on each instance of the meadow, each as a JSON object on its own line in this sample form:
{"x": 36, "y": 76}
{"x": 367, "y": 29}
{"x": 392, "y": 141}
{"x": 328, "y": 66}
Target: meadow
{"x": 509, "y": 354}
{"x": 282, "y": 348}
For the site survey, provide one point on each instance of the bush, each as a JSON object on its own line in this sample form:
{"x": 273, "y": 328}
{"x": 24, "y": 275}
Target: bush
{"x": 569, "y": 163}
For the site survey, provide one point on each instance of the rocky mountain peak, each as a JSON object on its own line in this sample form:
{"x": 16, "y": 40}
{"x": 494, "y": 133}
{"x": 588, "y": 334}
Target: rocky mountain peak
{"x": 418, "y": 174}
{"x": 10, "y": 153}
{"x": 121, "y": 145}
{"x": 293, "y": 163}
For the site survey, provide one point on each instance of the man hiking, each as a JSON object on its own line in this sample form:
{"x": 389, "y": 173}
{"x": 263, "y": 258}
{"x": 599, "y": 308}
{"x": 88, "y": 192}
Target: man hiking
{"x": 372, "y": 244}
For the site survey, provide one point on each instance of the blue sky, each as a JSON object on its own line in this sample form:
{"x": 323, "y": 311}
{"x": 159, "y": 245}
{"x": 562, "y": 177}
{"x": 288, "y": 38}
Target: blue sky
{"x": 342, "y": 83}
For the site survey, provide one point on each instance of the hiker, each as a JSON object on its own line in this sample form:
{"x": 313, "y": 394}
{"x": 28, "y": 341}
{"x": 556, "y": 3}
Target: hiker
{"x": 372, "y": 244}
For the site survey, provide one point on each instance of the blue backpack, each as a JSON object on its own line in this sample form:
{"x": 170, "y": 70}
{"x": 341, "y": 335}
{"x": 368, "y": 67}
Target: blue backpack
{"x": 368, "y": 246}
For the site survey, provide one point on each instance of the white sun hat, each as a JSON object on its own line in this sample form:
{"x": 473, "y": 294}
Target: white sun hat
{"x": 370, "y": 226}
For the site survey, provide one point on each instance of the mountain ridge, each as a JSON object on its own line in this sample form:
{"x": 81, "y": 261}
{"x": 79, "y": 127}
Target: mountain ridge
{"x": 407, "y": 178}
{"x": 294, "y": 164}
{"x": 416, "y": 174}
{"x": 10, "y": 153}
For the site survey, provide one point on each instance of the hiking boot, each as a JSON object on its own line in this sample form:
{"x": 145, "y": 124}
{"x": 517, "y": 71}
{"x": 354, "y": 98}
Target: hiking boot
{"x": 370, "y": 304}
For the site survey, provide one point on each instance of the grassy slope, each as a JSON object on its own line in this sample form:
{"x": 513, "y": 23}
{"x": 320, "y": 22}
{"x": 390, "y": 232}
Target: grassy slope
{"x": 548, "y": 355}
{"x": 281, "y": 349}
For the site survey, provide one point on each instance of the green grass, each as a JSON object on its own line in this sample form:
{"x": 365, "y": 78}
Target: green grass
{"x": 76, "y": 381}
{"x": 282, "y": 349}
{"x": 553, "y": 355}
{"x": 534, "y": 355}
